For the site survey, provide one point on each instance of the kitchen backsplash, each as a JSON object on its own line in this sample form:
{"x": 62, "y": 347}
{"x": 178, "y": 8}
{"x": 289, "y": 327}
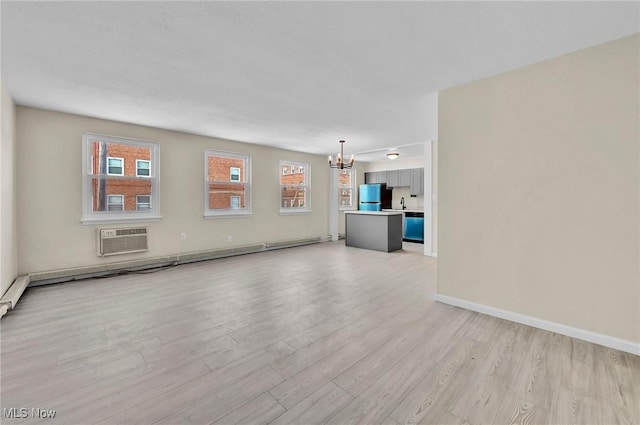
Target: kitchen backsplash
{"x": 416, "y": 203}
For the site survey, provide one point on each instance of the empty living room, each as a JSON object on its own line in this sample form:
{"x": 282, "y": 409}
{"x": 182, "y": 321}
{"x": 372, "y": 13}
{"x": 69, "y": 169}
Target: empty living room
{"x": 349, "y": 212}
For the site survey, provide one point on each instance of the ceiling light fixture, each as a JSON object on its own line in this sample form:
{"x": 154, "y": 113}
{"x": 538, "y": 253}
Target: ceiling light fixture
{"x": 393, "y": 155}
{"x": 339, "y": 162}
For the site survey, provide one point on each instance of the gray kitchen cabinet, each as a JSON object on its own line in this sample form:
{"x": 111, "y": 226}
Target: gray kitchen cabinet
{"x": 417, "y": 182}
{"x": 368, "y": 178}
{"x": 404, "y": 178}
{"x": 392, "y": 178}
{"x": 374, "y": 177}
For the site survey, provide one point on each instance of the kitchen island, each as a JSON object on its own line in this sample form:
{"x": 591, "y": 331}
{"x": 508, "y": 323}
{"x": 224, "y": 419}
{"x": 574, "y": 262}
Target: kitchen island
{"x": 376, "y": 230}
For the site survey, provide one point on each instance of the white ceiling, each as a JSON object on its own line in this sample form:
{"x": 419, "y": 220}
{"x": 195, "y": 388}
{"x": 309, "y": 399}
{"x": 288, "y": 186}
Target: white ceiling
{"x": 298, "y": 75}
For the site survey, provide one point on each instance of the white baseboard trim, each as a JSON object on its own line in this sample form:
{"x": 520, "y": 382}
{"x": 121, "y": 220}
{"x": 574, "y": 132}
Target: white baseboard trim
{"x": 596, "y": 338}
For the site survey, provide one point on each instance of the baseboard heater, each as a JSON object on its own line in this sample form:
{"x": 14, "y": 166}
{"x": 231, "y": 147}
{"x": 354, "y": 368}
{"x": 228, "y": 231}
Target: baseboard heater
{"x": 79, "y": 273}
{"x": 13, "y": 294}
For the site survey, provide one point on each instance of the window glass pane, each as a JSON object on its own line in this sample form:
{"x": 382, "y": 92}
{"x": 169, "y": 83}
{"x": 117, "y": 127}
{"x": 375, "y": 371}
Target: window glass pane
{"x": 120, "y": 178}
{"x": 227, "y": 182}
{"x": 143, "y": 168}
{"x": 344, "y": 179}
{"x": 115, "y": 166}
{"x": 235, "y": 202}
{"x": 143, "y": 202}
{"x": 345, "y": 188}
{"x": 106, "y": 191}
{"x": 219, "y": 168}
{"x": 234, "y": 173}
{"x": 119, "y": 153}
{"x": 294, "y": 185}
{"x": 221, "y": 195}
{"x": 114, "y": 202}
{"x": 294, "y": 196}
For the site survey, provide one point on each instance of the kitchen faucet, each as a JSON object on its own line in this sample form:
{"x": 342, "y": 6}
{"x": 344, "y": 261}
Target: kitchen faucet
{"x": 404, "y": 207}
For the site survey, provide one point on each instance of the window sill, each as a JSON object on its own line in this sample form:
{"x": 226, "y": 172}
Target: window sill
{"x": 119, "y": 220}
{"x": 285, "y": 212}
{"x": 209, "y": 216}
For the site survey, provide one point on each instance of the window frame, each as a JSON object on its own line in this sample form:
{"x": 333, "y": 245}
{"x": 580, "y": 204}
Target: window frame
{"x": 138, "y": 203}
{"x": 231, "y": 199}
{"x": 114, "y": 174}
{"x": 231, "y": 174}
{"x": 228, "y": 212}
{"x": 110, "y": 203}
{"x": 90, "y": 217}
{"x": 137, "y": 168}
{"x": 353, "y": 206}
{"x": 297, "y": 165}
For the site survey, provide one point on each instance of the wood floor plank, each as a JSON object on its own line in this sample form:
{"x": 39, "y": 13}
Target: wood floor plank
{"x": 219, "y": 403}
{"x": 28, "y": 390}
{"x": 306, "y": 356}
{"x": 316, "y": 408}
{"x": 261, "y": 410}
{"x": 490, "y": 380}
{"x": 296, "y": 388}
{"x": 87, "y": 405}
{"x": 364, "y": 373}
{"x": 532, "y": 388}
{"x": 240, "y": 340}
{"x": 422, "y": 400}
{"x": 219, "y": 380}
{"x": 380, "y": 399}
{"x": 619, "y": 392}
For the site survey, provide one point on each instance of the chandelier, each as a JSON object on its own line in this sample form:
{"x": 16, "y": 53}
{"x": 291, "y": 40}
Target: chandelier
{"x": 340, "y": 162}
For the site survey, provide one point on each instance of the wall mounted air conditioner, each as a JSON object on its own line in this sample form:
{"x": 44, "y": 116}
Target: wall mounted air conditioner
{"x": 122, "y": 241}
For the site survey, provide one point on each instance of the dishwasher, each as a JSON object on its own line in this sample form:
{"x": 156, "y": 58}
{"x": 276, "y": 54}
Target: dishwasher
{"x": 414, "y": 227}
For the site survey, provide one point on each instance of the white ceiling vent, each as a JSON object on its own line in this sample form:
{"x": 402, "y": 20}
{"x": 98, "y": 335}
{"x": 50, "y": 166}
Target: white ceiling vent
{"x": 122, "y": 241}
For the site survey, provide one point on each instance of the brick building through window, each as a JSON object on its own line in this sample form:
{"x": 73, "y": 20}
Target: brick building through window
{"x": 117, "y": 185}
{"x": 227, "y": 181}
{"x": 293, "y": 185}
{"x": 345, "y": 188}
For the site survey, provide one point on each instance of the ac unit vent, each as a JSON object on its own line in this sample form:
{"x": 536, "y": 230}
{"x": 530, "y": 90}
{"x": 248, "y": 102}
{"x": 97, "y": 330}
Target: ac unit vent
{"x": 122, "y": 241}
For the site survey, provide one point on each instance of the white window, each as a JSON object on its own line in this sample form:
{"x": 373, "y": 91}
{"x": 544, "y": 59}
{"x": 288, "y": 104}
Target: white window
{"x": 294, "y": 187}
{"x": 143, "y": 168}
{"x": 346, "y": 189}
{"x": 235, "y": 202}
{"x": 234, "y": 174}
{"x": 111, "y": 192}
{"x": 143, "y": 202}
{"x": 115, "y": 166}
{"x": 227, "y": 184}
{"x": 115, "y": 202}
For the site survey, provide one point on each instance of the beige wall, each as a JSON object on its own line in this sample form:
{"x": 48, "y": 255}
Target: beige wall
{"x": 540, "y": 190}
{"x": 50, "y": 184}
{"x": 8, "y": 217}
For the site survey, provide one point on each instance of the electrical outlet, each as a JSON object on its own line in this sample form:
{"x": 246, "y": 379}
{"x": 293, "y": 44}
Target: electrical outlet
{"x": 183, "y": 236}
{"x": 229, "y": 238}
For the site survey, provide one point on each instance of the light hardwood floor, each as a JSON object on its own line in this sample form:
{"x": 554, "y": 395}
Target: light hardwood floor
{"x": 310, "y": 335}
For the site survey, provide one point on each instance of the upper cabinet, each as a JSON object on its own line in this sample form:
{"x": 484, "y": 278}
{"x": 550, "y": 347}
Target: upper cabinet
{"x": 412, "y": 178}
{"x": 404, "y": 178}
{"x": 375, "y": 177}
{"x": 417, "y": 181}
{"x": 392, "y": 178}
